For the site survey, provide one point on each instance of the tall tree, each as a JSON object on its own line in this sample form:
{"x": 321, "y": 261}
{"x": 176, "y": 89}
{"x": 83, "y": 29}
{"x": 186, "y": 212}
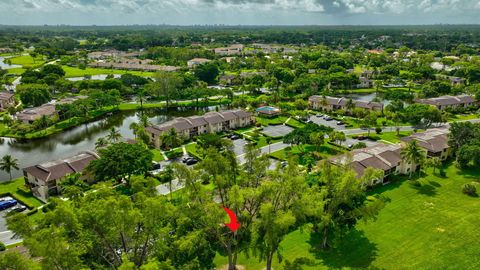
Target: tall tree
{"x": 8, "y": 163}
{"x": 413, "y": 154}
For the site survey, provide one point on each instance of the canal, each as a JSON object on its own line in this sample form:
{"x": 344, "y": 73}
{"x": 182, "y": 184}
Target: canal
{"x": 80, "y": 138}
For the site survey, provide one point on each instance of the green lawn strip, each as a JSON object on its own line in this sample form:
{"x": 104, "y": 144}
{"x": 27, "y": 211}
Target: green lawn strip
{"x": 157, "y": 155}
{"x": 16, "y": 188}
{"x": 16, "y": 71}
{"x": 27, "y": 60}
{"x": 431, "y": 227}
{"x": 277, "y": 120}
{"x": 77, "y": 72}
{"x": 326, "y": 150}
{"x": 387, "y": 136}
{"x": 294, "y": 123}
{"x": 462, "y": 117}
{"x": 193, "y": 151}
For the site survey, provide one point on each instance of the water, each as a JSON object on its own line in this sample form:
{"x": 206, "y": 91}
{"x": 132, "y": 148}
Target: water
{"x": 4, "y": 65}
{"x": 78, "y": 139}
{"x": 100, "y": 77}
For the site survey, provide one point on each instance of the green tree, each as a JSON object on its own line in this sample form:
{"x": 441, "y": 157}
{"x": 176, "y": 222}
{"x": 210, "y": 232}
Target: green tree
{"x": 207, "y": 72}
{"x": 101, "y": 142}
{"x": 413, "y": 154}
{"x": 165, "y": 86}
{"x": 9, "y": 163}
{"x": 114, "y": 135}
{"x": 33, "y": 94}
{"x": 171, "y": 139}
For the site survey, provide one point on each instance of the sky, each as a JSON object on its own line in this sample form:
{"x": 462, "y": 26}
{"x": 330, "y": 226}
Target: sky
{"x": 239, "y": 12}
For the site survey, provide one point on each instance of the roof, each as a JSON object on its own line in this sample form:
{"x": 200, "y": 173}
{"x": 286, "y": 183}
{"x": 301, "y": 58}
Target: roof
{"x": 199, "y": 60}
{"x": 434, "y": 140}
{"x": 341, "y": 101}
{"x": 214, "y": 118}
{"x": 37, "y": 112}
{"x": 53, "y": 170}
{"x": 379, "y": 156}
{"x": 448, "y": 100}
{"x": 4, "y": 95}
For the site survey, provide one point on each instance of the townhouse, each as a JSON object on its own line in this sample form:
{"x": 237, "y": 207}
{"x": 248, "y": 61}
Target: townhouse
{"x": 7, "y": 100}
{"x": 211, "y": 122}
{"x": 196, "y": 62}
{"x": 449, "y": 102}
{"x": 235, "y": 49}
{"x": 327, "y": 103}
{"x": 434, "y": 141}
{"x": 44, "y": 179}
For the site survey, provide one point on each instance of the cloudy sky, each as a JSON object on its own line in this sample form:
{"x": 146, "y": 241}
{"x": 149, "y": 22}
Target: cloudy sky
{"x": 233, "y": 12}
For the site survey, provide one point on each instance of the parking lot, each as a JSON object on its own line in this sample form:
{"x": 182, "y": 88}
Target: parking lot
{"x": 277, "y": 130}
{"x": 6, "y": 236}
{"x": 238, "y": 146}
{"x": 321, "y": 121}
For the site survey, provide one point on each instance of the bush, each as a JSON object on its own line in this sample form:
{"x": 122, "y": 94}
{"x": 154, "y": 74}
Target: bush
{"x": 443, "y": 173}
{"x": 378, "y": 130}
{"x": 469, "y": 189}
{"x": 2, "y": 246}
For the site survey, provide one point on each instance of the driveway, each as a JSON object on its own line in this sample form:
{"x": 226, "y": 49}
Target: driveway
{"x": 238, "y": 146}
{"x": 320, "y": 121}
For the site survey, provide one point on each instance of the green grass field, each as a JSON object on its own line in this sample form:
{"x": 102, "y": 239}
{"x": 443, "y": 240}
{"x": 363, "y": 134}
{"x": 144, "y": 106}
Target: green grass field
{"x": 15, "y": 187}
{"x": 27, "y": 60}
{"x": 431, "y": 227}
{"x": 76, "y": 72}
{"x": 16, "y": 71}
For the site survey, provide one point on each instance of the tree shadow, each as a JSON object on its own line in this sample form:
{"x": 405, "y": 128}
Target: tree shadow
{"x": 353, "y": 251}
{"x": 434, "y": 183}
{"x": 425, "y": 189}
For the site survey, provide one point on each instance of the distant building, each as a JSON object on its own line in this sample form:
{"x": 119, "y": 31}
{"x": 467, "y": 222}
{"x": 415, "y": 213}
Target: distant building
{"x": 235, "y": 49}
{"x": 28, "y": 116}
{"x": 435, "y": 141}
{"x": 327, "y": 103}
{"x": 268, "y": 111}
{"x": 197, "y": 61}
{"x": 44, "y": 179}
{"x": 450, "y": 102}
{"x": 385, "y": 157}
{"x": 7, "y": 100}
{"x": 454, "y": 81}
{"x": 211, "y": 122}
{"x": 132, "y": 64}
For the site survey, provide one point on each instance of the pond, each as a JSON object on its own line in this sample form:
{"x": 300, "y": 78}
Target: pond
{"x": 81, "y": 138}
{"x": 4, "y": 65}
{"x": 100, "y": 77}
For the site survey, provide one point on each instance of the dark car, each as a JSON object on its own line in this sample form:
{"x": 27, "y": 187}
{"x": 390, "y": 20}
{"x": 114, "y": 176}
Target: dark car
{"x": 361, "y": 138}
{"x": 156, "y": 166}
{"x": 328, "y": 118}
{"x": 235, "y": 137}
{"x": 184, "y": 159}
{"x": 7, "y": 204}
{"x": 18, "y": 208}
{"x": 319, "y": 115}
{"x": 340, "y": 123}
{"x": 191, "y": 161}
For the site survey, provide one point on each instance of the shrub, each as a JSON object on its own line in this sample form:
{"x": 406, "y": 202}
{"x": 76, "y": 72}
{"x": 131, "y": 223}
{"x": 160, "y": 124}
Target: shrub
{"x": 469, "y": 189}
{"x": 2, "y": 246}
{"x": 443, "y": 173}
{"x": 378, "y": 130}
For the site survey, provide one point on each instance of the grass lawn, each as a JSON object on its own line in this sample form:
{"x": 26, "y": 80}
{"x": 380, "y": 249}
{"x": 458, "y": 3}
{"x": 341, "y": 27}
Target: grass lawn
{"x": 16, "y": 188}
{"x": 462, "y": 117}
{"x": 16, "y": 71}
{"x": 157, "y": 155}
{"x": 389, "y": 136}
{"x": 295, "y": 123}
{"x": 431, "y": 227}
{"x": 277, "y": 120}
{"x": 326, "y": 150}
{"x": 27, "y": 60}
{"x": 76, "y": 72}
{"x": 192, "y": 150}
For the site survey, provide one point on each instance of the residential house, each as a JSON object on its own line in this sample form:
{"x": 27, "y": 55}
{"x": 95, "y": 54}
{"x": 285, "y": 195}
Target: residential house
{"x": 450, "y": 102}
{"x": 327, "y": 103}
{"x": 211, "y": 122}
{"x": 133, "y": 64}
{"x": 435, "y": 141}
{"x": 454, "y": 81}
{"x": 235, "y": 49}
{"x": 385, "y": 157}
{"x": 28, "y": 116}
{"x": 196, "y": 62}
{"x": 7, "y": 100}
{"x": 44, "y": 179}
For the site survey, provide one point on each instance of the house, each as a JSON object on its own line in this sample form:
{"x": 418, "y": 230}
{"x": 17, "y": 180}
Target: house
{"x": 235, "y": 49}
{"x": 44, "y": 179}
{"x": 28, "y": 116}
{"x": 327, "y": 103}
{"x": 268, "y": 111}
{"x": 227, "y": 79}
{"x": 197, "y": 61}
{"x": 70, "y": 100}
{"x": 435, "y": 141}
{"x": 450, "y": 102}
{"x": 454, "y": 81}
{"x": 211, "y": 122}
{"x": 132, "y": 64}
{"x": 385, "y": 157}
{"x": 7, "y": 100}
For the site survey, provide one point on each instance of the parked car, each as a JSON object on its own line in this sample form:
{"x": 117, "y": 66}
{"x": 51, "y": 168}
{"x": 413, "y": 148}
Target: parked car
{"x": 284, "y": 164}
{"x": 156, "y": 166}
{"x": 328, "y": 118}
{"x": 191, "y": 161}
{"x": 235, "y": 137}
{"x": 340, "y": 123}
{"x": 319, "y": 115}
{"x": 7, "y": 204}
{"x": 184, "y": 159}
{"x": 18, "y": 208}
{"x": 229, "y": 135}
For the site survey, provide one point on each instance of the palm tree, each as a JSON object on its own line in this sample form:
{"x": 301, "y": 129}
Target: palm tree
{"x": 350, "y": 105}
{"x": 8, "y": 163}
{"x": 141, "y": 97}
{"x": 413, "y": 154}
{"x": 269, "y": 141}
{"x": 114, "y": 135}
{"x": 171, "y": 139}
{"x": 144, "y": 121}
{"x": 101, "y": 142}
{"x": 134, "y": 127}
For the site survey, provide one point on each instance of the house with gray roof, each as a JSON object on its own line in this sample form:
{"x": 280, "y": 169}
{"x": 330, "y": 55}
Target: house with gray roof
{"x": 44, "y": 179}
{"x": 7, "y": 100}
{"x": 327, "y": 103}
{"x": 435, "y": 141}
{"x": 450, "y": 102}
{"x": 211, "y": 122}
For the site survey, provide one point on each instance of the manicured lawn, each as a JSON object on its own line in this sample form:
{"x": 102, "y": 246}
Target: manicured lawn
{"x": 16, "y": 71}
{"x": 326, "y": 150}
{"x": 76, "y": 72}
{"x": 277, "y": 120}
{"x": 295, "y": 123}
{"x": 16, "y": 188}
{"x": 389, "y": 136}
{"x": 460, "y": 117}
{"x": 192, "y": 150}
{"x": 27, "y": 60}
{"x": 157, "y": 155}
{"x": 431, "y": 227}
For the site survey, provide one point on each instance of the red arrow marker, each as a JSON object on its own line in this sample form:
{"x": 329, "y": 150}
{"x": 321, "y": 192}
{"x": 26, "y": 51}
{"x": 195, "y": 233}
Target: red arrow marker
{"x": 233, "y": 225}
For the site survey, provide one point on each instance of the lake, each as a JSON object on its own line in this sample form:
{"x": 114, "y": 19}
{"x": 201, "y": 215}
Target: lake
{"x": 4, "y": 65}
{"x": 80, "y": 138}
